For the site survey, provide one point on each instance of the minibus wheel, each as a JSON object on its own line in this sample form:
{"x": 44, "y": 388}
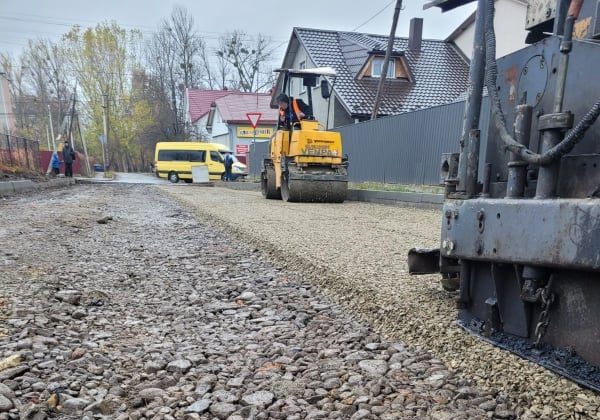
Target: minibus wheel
{"x": 173, "y": 177}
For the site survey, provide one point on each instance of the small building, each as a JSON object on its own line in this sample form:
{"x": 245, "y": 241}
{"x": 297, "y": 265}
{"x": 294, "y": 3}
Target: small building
{"x": 509, "y": 23}
{"x": 197, "y": 105}
{"x": 422, "y": 73}
{"x": 219, "y": 116}
{"x": 228, "y": 124}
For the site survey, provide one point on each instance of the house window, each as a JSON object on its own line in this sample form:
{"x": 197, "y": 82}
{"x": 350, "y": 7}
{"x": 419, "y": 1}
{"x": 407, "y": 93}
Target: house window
{"x": 377, "y": 66}
{"x": 301, "y": 87}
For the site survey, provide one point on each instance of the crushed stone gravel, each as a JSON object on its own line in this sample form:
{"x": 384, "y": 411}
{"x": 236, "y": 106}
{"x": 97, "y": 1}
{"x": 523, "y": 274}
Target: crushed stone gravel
{"x": 356, "y": 253}
{"x": 156, "y": 314}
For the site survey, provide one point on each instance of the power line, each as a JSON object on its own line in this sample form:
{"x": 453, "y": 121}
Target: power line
{"x": 374, "y": 16}
{"x": 148, "y": 30}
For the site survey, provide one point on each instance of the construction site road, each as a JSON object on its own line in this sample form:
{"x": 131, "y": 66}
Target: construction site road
{"x": 117, "y": 303}
{"x": 356, "y": 253}
{"x": 177, "y": 301}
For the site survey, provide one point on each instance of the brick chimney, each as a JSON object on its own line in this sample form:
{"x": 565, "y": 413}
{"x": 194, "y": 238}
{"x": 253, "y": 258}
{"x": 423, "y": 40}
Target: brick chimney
{"x": 415, "y": 34}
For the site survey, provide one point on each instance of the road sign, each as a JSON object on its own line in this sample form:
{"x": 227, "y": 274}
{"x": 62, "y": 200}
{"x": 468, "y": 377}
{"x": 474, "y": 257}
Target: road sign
{"x": 247, "y": 132}
{"x": 242, "y": 149}
{"x": 102, "y": 139}
{"x": 254, "y": 118}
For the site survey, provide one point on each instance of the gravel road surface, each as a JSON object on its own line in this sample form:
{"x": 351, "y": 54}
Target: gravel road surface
{"x": 117, "y": 303}
{"x": 356, "y": 253}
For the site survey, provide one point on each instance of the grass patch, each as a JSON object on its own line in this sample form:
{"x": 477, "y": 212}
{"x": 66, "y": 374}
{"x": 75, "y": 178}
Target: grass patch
{"x": 379, "y": 186}
{"x": 109, "y": 174}
{"x": 9, "y": 172}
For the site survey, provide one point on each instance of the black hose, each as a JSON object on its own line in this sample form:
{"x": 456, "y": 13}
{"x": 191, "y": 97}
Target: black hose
{"x": 564, "y": 147}
{"x": 574, "y": 136}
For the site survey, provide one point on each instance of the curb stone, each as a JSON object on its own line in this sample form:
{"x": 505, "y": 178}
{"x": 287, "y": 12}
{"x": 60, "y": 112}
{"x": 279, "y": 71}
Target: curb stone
{"x": 368, "y": 196}
{"x": 9, "y": 188}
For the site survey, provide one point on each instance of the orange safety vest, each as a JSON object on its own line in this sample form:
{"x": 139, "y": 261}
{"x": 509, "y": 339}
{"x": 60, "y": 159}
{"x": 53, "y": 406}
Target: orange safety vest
{"x": 296, "y": 108}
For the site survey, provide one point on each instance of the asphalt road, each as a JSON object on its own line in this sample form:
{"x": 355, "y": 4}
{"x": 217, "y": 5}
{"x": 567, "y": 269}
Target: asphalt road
{"x": 130, "y": 178}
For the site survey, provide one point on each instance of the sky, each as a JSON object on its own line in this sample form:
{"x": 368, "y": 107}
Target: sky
{"x": 21, "y": 20}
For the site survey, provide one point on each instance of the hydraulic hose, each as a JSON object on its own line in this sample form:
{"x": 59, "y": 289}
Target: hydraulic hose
{"x": 572, "y": 138}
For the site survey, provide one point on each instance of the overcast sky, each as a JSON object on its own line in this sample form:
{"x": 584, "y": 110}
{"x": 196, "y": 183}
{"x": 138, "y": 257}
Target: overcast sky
{"x": 21, "y": 20}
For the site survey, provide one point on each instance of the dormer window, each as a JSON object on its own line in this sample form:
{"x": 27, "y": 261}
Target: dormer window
{"x": 377, "y": 67}
{"x": 397, "y": 69}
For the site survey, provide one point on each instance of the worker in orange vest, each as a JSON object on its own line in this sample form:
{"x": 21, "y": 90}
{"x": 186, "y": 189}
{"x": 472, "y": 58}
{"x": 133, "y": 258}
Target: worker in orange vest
{"x": 293, "y": 114}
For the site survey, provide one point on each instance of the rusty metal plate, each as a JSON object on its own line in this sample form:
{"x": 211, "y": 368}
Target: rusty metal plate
{"x": 540, "y": 13}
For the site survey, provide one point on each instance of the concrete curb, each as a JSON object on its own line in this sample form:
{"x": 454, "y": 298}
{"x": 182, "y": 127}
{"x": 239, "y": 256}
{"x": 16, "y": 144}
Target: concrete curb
{"x": 9, "y": 188}
{"x": 82, "y": 180}
{"x": 239, "y": 186}
{"x": 369, "y": 196}
{"x": 394, "y": 197}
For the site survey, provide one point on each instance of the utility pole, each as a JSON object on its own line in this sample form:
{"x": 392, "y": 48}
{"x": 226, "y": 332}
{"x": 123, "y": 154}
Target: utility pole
{"x": 48, "y": 137}
{"x": 105, "y": 143}
{"x": 52, "y": 128}
{"x": 386, "y": 60}
{"x": 53, "y": 139}
{"x": 70, "y": 135}
{"x": 87, "y": 157}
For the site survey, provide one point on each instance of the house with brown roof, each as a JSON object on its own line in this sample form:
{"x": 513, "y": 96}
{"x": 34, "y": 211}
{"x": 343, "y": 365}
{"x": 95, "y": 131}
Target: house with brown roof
{"x": 198, "y": 103}
{"x": 422, "y": 73}
{"x": 221, "y": 117}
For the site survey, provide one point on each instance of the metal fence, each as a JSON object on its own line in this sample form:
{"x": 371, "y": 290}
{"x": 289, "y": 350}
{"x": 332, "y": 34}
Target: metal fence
{"x": 19, "y": 152}
{"x": 401, "y": 149}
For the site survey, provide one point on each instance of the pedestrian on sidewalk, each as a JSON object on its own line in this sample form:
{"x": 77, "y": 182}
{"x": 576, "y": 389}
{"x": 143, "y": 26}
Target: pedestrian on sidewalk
{"x": 68, "y": 157}
{"x": 228, "y": 166}
{"x": 55, "y": 163}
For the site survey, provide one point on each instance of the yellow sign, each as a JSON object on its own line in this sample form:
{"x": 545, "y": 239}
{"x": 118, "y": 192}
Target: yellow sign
{"x": 248, "y": 132}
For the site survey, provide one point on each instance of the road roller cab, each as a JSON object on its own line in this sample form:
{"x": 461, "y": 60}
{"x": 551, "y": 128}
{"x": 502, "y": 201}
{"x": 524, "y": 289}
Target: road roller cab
{"x": 306, "y": 162}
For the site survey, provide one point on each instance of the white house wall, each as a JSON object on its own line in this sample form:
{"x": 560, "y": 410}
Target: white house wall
{"x": 509, "y": 22}
{"x": 200, "y": 133}
{"x": 223, "y": 139}
{"x": 219, "y": 128}
{"x": 7, "y": 120}
{"x": 320, "y": 105}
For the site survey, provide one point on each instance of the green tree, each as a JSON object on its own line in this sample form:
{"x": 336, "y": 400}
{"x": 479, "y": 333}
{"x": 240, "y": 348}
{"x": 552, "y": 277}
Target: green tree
{"x": 105, "y": 60}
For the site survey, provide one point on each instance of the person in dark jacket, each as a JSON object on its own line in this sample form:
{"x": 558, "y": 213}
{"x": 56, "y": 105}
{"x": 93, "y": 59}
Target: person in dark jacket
{"x": 291, "y": 112}
{"x": 228, "y": 166}
{"x": 68, "y": 157}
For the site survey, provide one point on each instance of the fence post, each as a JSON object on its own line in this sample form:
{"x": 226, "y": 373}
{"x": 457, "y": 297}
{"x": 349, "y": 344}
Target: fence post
{"x": 25, "y": 141}
{"x": 9, "y": 149}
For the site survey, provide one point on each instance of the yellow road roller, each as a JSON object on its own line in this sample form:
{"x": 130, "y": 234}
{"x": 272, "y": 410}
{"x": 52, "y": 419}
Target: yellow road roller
{"x": 305, "y": 162}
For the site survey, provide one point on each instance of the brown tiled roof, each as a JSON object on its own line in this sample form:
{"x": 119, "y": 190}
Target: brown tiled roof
{"x": 233, "y": 107}
{"x": 200, "y": 100}
{"x": 439, "y": 71}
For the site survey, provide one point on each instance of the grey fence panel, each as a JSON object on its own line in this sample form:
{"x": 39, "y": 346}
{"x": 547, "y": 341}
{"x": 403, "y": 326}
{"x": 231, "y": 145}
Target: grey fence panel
{"x": 406, "y": 148}
{"x": 258, "y": 152}
{"x": 402, "y": 149}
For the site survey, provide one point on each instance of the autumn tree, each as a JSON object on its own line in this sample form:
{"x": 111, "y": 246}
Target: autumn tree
{"x": 174, "y": 57}
{"x": 40, "y": 82}
{"x": 48, "y": 76}
{"x": 104, "y": 59}
{"x": 248, "y": 58}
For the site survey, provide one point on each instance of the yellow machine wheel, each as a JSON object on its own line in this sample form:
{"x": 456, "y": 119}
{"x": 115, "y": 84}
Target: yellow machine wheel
{"x": 267, "y": 184}
{"x": 320, "y": 186}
